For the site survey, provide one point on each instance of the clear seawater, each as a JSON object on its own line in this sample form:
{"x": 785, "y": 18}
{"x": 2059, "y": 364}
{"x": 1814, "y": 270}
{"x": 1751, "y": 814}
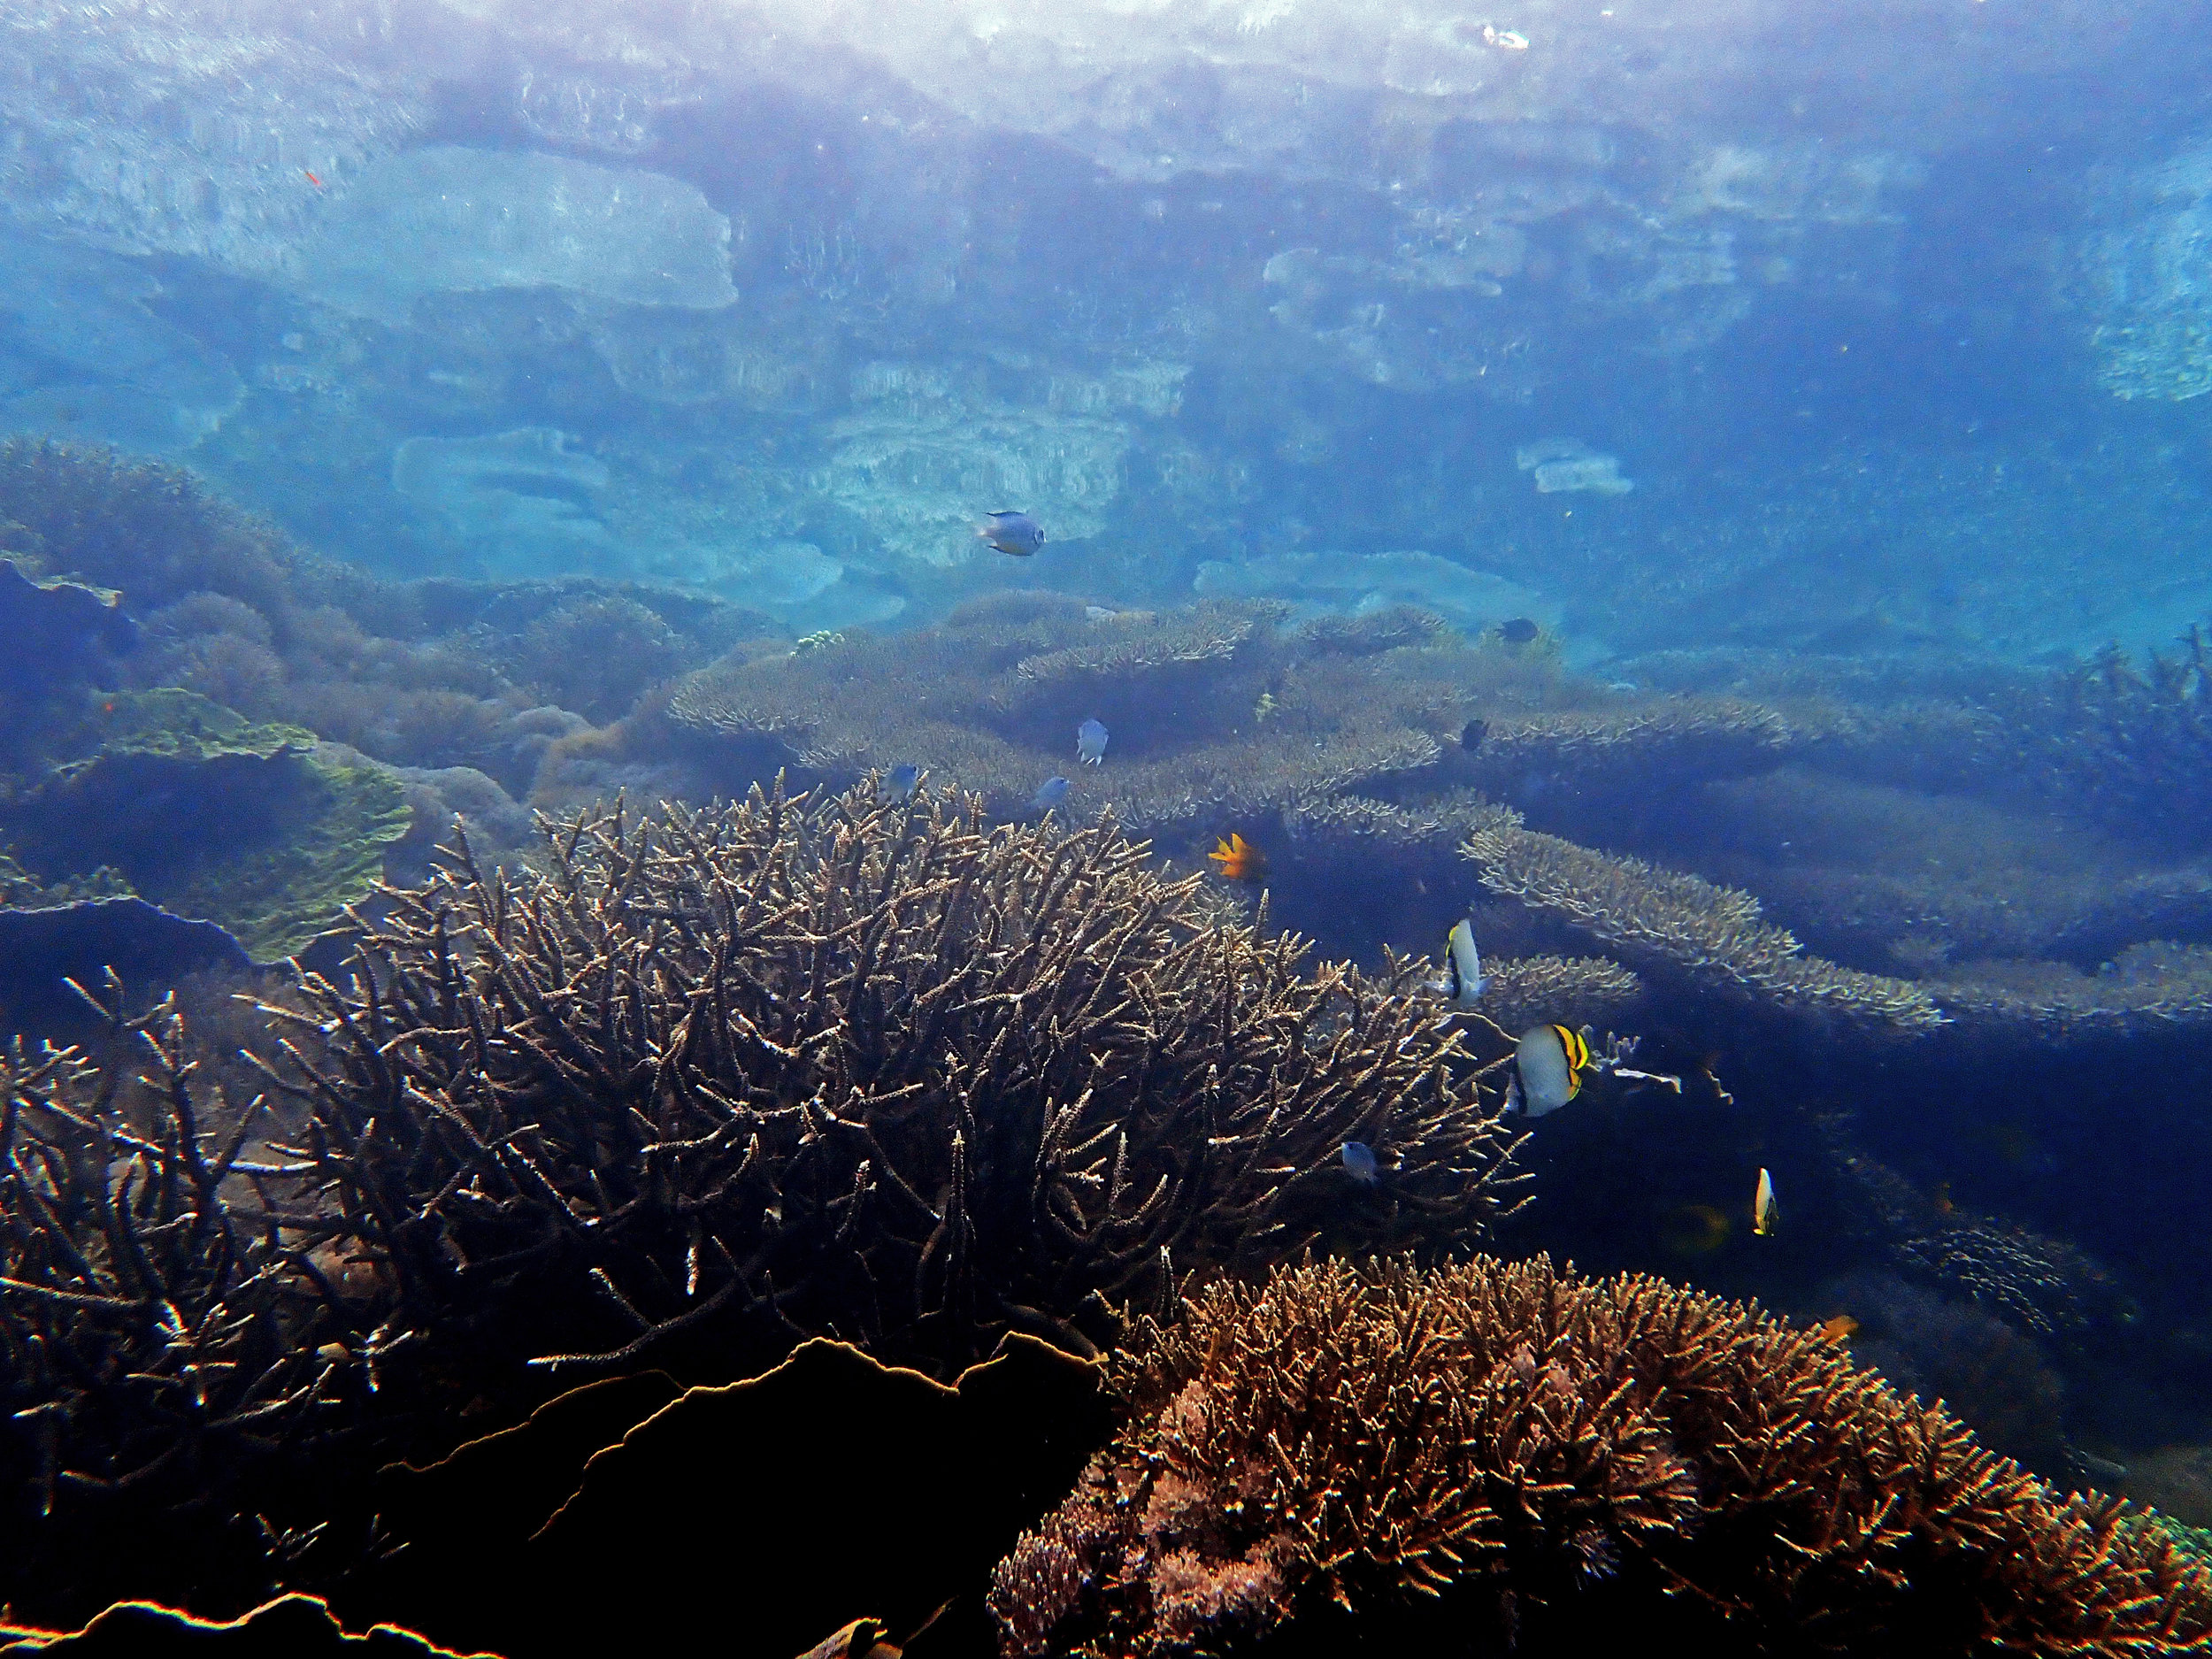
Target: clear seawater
{"x": 1852, "y": 353}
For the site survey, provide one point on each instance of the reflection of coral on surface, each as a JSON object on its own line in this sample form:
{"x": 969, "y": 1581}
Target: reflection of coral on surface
{"x": 1507, "y": 1453}
{"x": 842, "y": 1067}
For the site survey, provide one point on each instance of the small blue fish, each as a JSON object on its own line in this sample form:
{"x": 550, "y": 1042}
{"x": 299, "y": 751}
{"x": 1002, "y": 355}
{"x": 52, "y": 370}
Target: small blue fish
{"x": 898, "y": 784}
{"x": 1053, "y": 795}
{"x": 1090, "y": 743}
{"x": 1359, "y": 1162}
{"x": 1014, "y": 532}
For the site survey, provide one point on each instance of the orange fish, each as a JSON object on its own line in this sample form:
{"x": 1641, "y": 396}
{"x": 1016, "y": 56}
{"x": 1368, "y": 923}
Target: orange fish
{"x": 1843, "y": 1328}
{"x": 1239, "y": 859}
{"x": 312, "y": 179}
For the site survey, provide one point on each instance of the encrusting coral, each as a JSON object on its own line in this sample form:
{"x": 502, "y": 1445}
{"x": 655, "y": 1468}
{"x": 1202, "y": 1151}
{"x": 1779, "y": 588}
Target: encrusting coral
{"x": 1490, "y": 1456}
{"x": 720, "y": 1079}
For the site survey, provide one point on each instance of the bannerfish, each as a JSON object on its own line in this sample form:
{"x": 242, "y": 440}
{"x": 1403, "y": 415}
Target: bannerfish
{"x": 1239, "y": 859}
{"x": 1519, "y": 630}
{"x": 1090, "y": 743}
{"x": 1550, "y": 1061}
{"x": 898, "y": 784}
{"x": 1050, "y": 795}
{"x": 1359, "y": 1162}
{"x": 1462, "y": 982}
{"x": 1763, "y": 1213}
{"x": 1014, "y": 532}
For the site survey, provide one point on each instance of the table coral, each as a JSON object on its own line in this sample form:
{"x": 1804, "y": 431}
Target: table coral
{"x": 1506, "y": 1453}
{"x": 991, "y": 700}
{"x": 1711, "y": 936}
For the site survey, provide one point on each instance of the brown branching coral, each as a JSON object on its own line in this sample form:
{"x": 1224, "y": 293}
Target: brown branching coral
{"x": 720, "y": 1079}
{"x": 167, "y": 1354}
{"x": 1710, "y": 935}
{"x": 1496, "y": 1453}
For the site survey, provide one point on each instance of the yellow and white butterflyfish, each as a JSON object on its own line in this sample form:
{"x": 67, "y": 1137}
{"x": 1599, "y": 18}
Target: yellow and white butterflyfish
{"x": 1550, "y": 1060}
{"x": 1462, "y": 982}
{"x": 1763, "y": 1213}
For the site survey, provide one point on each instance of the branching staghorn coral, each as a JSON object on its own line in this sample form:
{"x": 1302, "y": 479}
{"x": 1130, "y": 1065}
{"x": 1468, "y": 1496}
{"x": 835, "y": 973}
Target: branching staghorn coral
{"x": 723, "y": 1079}
{"x": 1499, "y": 1452}
{"x": 1710, "y": 935}
{"x": 2126, "y": 743}
{"x": 167, "y": 1353}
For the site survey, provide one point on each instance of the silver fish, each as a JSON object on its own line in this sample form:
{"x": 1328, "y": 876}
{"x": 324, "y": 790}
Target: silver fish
{"x": 1052, "y": 795}
{"x": 1090, "y": 743}
{"x": 1359, "y": 1162}
{"x": 1014, "y": 532}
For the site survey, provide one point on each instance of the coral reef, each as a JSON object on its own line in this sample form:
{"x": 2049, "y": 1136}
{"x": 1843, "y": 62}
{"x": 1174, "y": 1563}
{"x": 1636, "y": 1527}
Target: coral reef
{"x": 1981, "y": 1367}
{"x": 170, "y": 1358}
{"x": 248, "y": 827}
{"x": 60, "y": 636}
{"x": 1508, "y": 1454}
{"x": 1577, "y": 991}
{"x": 845, "y": 1068}
{"x": 2047, "y": 1289}
{"x": 1709, "y": 936}
{"x": 433, "y": 674}
{"x": 991, "y": 700}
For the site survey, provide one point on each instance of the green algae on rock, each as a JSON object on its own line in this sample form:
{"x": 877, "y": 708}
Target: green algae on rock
{"x": 211, "y": 816}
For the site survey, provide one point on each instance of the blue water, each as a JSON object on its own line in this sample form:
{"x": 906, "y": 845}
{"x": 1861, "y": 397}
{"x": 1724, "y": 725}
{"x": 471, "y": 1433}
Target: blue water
{"x": 1850, "y": 356}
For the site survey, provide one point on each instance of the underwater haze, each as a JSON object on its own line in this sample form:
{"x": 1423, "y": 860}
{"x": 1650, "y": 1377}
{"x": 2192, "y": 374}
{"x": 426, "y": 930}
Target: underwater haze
{"x": 998, "y": 715}
{"x": 1890, "y": 315}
